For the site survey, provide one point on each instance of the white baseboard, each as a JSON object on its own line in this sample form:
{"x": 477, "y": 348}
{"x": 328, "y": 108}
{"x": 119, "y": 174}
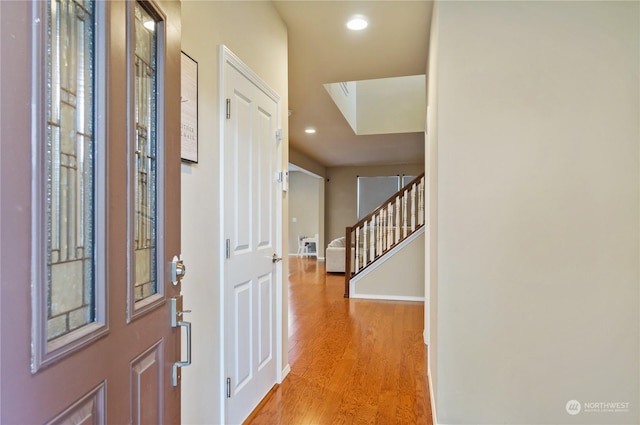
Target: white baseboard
{"x": 386, "y": 297}
{"x": 285, "y": 372}
{"x": 434, "y": 416}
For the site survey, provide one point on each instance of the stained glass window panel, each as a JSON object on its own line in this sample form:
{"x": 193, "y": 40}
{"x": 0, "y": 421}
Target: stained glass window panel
{"x": 70, "y": 166}
{"x": 145, "y": 208}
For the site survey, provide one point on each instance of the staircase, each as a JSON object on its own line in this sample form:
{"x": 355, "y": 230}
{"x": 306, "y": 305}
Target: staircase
{"x": 371, "y": 238}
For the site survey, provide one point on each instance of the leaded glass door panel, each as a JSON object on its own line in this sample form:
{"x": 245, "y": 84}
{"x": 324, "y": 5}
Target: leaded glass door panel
{"x": 89, "y": 211}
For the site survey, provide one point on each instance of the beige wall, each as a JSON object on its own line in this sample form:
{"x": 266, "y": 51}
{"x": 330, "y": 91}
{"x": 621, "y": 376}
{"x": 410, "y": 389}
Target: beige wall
{"x": 341, "y": 193}
{"x": 306, "y": 193}
{"x": 255, "y": 33}
{"x": 402, "y": 110}
{"x": 537, "y": 148}
{"x": 303, "y": 161}
{"x": 403, "y": 267}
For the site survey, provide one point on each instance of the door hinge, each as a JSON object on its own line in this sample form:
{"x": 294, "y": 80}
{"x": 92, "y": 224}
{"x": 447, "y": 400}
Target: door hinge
{"x": 228, "y": 108}
{"x": 228, "y": 387}
{"x": 227, "y": 249}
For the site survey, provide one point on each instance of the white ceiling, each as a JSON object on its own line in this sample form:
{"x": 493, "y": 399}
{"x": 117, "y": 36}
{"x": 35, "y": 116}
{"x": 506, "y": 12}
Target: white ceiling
{"x": 322, "y": 50}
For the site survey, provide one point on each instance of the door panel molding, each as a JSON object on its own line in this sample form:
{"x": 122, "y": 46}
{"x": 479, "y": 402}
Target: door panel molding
{"x": 146, "y": 373}
{"x": 90, "y": 409}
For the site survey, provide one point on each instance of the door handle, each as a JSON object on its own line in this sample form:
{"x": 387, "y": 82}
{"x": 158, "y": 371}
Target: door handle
{"x": 275, "y": 258}
{"x": 176, "y": 315}
{"x": 177, "y": 365}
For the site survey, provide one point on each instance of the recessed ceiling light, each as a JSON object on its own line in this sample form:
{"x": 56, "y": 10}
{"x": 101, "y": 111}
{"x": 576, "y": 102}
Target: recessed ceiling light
{"x": 357, "y": 23}
{"x": 310, "y": 130}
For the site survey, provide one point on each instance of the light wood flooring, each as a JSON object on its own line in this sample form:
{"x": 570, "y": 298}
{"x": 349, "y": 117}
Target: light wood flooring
{"x": 352, "y": 361}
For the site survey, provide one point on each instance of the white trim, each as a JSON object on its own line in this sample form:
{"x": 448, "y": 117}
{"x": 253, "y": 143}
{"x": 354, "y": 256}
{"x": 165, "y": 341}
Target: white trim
{"x": 284, "y": 372}
{"x": 434, "y": 416}
{"x": 222, "y": 243}
{"x": 387, "y": 256}
{"x": 386, "y": 297}
{"x": 294, "y": 167}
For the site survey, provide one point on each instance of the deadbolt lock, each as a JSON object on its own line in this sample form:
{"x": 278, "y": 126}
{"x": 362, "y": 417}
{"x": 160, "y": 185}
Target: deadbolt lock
{"x": 177, "y": 270}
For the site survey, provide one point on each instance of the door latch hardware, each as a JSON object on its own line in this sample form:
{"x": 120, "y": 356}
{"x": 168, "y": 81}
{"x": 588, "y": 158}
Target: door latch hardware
{"x": 176, "y": 315}
{"x": 275, "y": 258}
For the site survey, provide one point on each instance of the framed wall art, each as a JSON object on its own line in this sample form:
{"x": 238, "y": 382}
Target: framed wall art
{"x": 189, "y": 109}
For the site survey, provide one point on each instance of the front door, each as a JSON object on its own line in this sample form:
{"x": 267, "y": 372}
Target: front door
{"x": 251, "y": 278}
{"x": 89, "y": 211}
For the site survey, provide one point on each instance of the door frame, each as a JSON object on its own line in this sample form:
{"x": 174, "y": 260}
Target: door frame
{"x": 227, "y": 56}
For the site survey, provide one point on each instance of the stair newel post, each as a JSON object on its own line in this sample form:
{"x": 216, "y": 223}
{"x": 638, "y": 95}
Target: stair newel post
{"x": 347, "y": 262}
{"x": 356, "y": 249}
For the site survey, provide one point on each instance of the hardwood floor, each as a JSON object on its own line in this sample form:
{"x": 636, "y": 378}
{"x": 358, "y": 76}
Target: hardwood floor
{"x": 352, "y": 361}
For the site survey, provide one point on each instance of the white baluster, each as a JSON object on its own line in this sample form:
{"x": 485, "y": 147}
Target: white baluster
{"x": 413, "y": 208}
{"x": 380, "y": 233}
{"x": 365, "y": 230}
{"x": 356, "y": 254}
{"x": 397, "y": 229}
{"x": 377, "y": 246}
{"x": 421, "y": 204}
{"x": 372, "y": 239}
{"x": 404, "y": 215}
{"x": 389, "y": 225}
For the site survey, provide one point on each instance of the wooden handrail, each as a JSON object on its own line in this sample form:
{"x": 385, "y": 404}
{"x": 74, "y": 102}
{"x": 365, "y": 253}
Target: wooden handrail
{"x": 389, "y": 224}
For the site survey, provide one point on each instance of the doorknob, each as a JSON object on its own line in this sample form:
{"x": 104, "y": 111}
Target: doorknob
{"x": 275, "y": 258}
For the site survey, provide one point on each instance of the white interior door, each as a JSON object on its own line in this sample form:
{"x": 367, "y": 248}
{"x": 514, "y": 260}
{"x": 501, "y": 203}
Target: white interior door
{"x": 251, "y": 278}
{"x": 89, "y": 207}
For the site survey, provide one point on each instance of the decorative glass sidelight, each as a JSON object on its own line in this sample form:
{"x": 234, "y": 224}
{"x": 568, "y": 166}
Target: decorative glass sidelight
{"x": 70, "y": 167}
{"x": 145, "y": 161}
